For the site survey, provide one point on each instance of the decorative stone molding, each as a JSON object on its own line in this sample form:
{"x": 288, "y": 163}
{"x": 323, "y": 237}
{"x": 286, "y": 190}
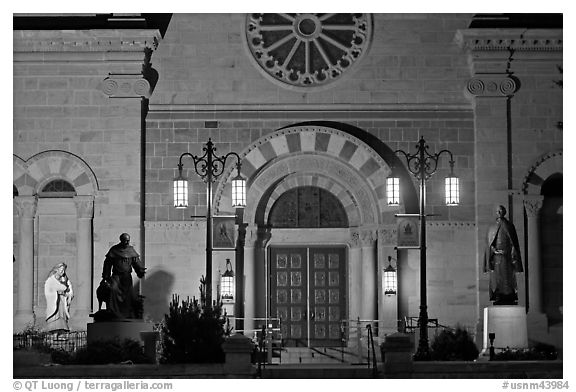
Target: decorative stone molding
{"x": 126, "y": 86}
{"x": 85, "y": 41}
{"x": 321, "y": 164}
{"x": 26, "y": 206}
{"x": 303, "y": 51}
{"x": 84, "y": 206}
{"x": 492, "y": 86}
{"x": 493, "y": 40}
{"x": 543, "y": 167}
{"x": 251, "y": 238}
{"x": 276, "y": 155}
{"x": 388, "y": 236}
{"x": 32, "y": 174}
{"x": 178, "y": 225}
{"x": 532, "y": 204}
{"x": 368, "y": 237}
{"x": 451, "y": 225}
{"x": 354, "y": 238}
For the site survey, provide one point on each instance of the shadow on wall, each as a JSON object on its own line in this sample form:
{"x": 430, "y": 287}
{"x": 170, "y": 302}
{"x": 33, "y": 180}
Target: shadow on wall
{"x": 157, "y": 290}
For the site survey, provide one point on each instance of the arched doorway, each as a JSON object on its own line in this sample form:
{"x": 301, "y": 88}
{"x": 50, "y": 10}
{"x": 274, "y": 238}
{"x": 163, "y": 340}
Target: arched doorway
{"x": 307, "y": 283}
{"x": 551, "y": 242}
{"x": 349, "y": 163}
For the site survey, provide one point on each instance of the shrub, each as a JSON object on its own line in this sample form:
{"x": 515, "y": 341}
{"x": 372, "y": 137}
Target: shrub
{"x": 193, "y": 331}
{"x": 454, "y": 345}
{"x": 103, "y": 352}
{"x": 537, "y": 353}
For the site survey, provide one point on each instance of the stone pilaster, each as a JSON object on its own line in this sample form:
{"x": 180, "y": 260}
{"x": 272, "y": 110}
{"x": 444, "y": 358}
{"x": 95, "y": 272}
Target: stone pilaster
{"x": 532, "y": 205}
{"x": 83, "y": 279}
{"x": 355, "y": 273}
{"x": 368, "y": 275}
{"x": 251, "y": 240}
{"x": 26, "y": 207}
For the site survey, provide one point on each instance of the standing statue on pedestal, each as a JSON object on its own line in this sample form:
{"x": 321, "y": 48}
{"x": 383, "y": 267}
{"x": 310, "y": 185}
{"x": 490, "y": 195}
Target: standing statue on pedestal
{"x": 59, "y": 294}
{"x": 116, "y": 286}
{"x": 502, "y": 260}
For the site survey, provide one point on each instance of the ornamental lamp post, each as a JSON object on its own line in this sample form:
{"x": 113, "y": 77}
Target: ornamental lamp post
{"x": 209, "y": 167}
{"x": 423, "y": 165}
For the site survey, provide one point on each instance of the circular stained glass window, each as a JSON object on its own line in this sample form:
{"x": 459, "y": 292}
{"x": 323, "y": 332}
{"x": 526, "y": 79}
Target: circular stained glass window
{"x": 308, "y": 50}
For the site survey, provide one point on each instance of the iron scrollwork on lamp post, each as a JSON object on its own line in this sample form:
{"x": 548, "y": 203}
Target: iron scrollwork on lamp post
{"x": 209, "y": 167}
{"x": 423, "y": 165}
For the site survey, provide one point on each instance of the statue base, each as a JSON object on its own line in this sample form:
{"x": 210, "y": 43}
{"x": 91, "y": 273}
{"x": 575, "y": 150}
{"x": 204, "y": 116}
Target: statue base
{"x": 118, "y": 329}
{"x": 508, "y": 323}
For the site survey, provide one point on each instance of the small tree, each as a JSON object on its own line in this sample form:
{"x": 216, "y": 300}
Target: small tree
{"x": 193, "y": 331}
{"x": 454, "y": 345}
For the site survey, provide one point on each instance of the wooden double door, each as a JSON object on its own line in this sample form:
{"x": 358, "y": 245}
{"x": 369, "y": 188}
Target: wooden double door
{"x": 308, "y": 294}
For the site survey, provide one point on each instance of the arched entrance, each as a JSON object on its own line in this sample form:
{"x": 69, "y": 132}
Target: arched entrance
{"x": 347, "y": 163}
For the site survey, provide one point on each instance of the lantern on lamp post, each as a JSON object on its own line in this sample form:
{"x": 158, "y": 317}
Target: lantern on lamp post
{"x": 227, "y": 283}
{"x": 209, "y": 167}
{"x": 390, "y": 279}
{"x": 423, "y": 165}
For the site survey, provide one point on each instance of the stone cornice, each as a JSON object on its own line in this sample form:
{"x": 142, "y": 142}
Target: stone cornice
{"x": 518, "y": 40}
{"x": 74, "y": 41}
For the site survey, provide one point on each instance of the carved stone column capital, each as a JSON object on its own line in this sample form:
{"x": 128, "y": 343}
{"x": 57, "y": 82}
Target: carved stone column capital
{"x": 388, "y": 235}
{"x": 84, "y": 206}
{"x": 26, "y": 206}
{"x": 354, "y": 238}
{"x": 126, "y": 86}
{"x": 492, "y": 85}
{"x": 251, "y": 236}
{"x": 368, "y": 237}
{"x": 532, "y": 204}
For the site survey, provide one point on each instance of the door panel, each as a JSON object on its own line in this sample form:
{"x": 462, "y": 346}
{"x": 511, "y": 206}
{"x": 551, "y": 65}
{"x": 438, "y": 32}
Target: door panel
{"x": 308, "y": 294}
{"x": 328, "y": 301}
{"x": 288, "y": 287}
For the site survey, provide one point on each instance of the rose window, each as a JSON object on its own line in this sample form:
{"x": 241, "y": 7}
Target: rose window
{"x": 308, "y": 50}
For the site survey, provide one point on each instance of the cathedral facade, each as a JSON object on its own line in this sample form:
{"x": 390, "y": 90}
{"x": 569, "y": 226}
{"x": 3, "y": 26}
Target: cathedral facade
{"x": 316, "y": 106}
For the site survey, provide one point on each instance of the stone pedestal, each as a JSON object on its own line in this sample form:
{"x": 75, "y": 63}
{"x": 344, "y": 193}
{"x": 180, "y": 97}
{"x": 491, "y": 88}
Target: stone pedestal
{"x": 508, "y": 323}
{"x": 397, "y": 353}
{"x": 238, "y": 350}
{"x": 117, "y": 329}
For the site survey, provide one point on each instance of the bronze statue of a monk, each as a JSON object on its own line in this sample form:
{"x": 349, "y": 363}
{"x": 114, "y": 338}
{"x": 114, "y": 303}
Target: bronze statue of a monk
{"x": 502, "y": 260}
{"x": 117, "y": 272}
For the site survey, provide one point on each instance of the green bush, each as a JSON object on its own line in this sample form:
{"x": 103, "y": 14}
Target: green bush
{"x": 102, "y": 352}
{"x": 193, "y": 331}
{"x": 456, "y": 345}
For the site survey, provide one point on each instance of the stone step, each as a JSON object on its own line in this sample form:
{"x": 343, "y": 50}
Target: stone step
{"x": 303, "y": 371}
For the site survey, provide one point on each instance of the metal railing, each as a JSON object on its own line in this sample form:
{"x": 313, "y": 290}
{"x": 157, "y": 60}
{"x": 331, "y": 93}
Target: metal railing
{"x": 411, "y": 324}
{"x": 67, "y": 341}
{"x": 266, "y": 335}
{"x": 372, "y": 364}
{"x": 356, "y": 332}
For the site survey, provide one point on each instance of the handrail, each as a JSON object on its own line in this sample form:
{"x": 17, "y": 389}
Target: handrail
{"x": 432, "y": 323}
{"x": 371, "y": 341}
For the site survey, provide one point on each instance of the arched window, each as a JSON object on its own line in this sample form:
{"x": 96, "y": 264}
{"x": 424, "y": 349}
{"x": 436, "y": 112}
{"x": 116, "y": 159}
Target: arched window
{"x": 307, "y": 207}
{"x": 58, "y": 188}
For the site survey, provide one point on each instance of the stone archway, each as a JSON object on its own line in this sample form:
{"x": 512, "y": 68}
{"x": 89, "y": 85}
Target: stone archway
{"x": 336, "y": 160}
{"x": 544, "y": 168}
{"x": 30, "y": 177}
